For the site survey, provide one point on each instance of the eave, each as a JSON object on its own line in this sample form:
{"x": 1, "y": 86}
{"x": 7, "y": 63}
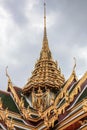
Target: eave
{"x": 78, "y": 112}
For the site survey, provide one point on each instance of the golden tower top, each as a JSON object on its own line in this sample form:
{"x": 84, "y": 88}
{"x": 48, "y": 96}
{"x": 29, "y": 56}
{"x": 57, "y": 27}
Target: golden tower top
{"x": 45, "y": 33}
{"x": 45, "y": 52}
{"x": 46, "y": 73}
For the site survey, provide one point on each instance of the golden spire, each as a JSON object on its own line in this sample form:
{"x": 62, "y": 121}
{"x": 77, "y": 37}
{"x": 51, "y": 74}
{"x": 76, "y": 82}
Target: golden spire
{"x": 45, "y": 52}
{"x": 45, "y": 32}
{"x": 46, "y": 73}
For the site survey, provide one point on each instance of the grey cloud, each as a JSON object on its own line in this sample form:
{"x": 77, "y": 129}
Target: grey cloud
{"x": 74, "y": 18}
{"x": 17, "y": 10}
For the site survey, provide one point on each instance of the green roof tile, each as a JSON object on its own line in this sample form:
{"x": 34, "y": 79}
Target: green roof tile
{"x": 8, "y": 102}
{"x": 84, "y": 95}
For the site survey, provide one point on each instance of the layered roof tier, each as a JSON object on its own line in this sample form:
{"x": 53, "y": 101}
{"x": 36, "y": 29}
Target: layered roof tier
{"x": 46, "y": 72}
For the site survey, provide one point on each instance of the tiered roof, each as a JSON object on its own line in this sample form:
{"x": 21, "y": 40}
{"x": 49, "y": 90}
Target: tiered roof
{"x": 66, "y": 111}
{"x": 46, "y": 72}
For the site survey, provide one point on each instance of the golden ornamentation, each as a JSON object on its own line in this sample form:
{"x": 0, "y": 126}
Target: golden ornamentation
{"x": 21, "y": 104}
{"x": 74, "y": 64}
{"x": 10, "y": 124}
{"x": 1, "y": 103}
{"x": 64, "y": 90}
{"x": 85, "y": 105}
{"x": 83, "y": 122}
{"x": 46, "y": 72}
{"x": 45, "y": 89}
{"x": 4, "y": 117}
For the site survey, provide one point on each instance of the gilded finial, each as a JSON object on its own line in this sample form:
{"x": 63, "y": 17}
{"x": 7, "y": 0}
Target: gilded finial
{"x": 9, "y": 80}
{"x": 74, "y": 72}
{"x": 74, "y": 64}
{"x": 7, "y": 75}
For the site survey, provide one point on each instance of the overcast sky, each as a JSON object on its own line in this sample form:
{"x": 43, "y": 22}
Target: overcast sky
{"x": 21, "y": 34}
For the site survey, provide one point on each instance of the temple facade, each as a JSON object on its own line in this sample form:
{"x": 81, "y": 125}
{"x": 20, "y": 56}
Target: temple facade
{"x": 47, "y": 101}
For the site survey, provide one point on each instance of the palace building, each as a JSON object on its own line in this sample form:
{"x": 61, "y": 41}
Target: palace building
{"x": 47, "y": 101}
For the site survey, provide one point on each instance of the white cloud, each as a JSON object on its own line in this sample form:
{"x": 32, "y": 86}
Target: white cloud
{"x": 9, "y": 34}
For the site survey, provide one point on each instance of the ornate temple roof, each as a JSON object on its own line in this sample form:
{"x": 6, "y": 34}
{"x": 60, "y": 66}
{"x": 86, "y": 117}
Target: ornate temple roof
{"x": 46, "y": 72}
{"x": 63, "y": 109}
